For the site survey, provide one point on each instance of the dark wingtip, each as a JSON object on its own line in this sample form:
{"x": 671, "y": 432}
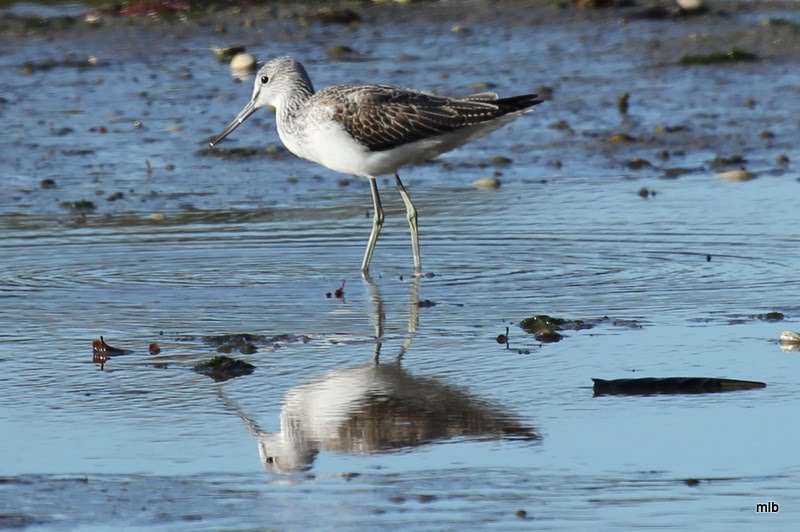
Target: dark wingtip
{"x": 518, "y": 103}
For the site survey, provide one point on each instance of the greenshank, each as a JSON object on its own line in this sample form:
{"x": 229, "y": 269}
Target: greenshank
{"x": 373, "y": 130}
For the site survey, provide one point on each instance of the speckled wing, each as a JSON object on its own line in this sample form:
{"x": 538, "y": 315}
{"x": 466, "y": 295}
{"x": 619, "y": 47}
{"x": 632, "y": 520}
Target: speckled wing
{"x": 381, "y": 117}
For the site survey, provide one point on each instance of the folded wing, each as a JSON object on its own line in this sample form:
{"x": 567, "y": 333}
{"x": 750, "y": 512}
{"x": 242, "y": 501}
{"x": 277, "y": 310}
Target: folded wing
{"x": 382, "y": 117}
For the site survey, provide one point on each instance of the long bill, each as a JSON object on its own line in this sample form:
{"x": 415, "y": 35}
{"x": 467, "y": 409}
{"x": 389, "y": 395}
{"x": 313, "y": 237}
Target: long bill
{"x": 249, "y": 109}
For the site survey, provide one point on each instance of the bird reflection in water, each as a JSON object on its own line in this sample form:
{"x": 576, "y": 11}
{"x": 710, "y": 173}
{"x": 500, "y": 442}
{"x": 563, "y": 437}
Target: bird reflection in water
{"x": 380, "y": 407}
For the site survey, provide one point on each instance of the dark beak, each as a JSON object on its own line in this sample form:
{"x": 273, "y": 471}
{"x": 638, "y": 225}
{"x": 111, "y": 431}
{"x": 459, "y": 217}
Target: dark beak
{"x": 249, "y": 109}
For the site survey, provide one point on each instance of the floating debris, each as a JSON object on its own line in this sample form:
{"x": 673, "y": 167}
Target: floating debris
{"x": 771, "y": 316}
{"x": 721, "y": 162}
{"x": 645, "y": 193}
{"x": 101, "y": 352}
{"x": 503, "y": 338}
{"x": 522, "y": 514}
{"x": 339, "y": 292}
{"x": 671, "y": 385}
{"x": 222, "y": 368}
{"x": 82, "y": 206}
{"x": 669, "y": 129}
{"x": 339, "y": 52}
{"x": 426, "y": 303}
{"x": 638, "y": 163}
{"x": 691, "y": 482}
{"x": 562, "y": 125}
{"x": 225, "y": 54}
{"x": 100, "y": 346}
{"x": 783, "y": 159}
{"x": 623, "y": 103}
{"x": 545, "y": 328}
{"x": 500, "y": 160}
{"x": 672, "y": 173}
{"x": 242, "y": 342}
{"x": 733, "y": 55}
{"x": 47, "y": 183}
{"x": 154, "y": 348}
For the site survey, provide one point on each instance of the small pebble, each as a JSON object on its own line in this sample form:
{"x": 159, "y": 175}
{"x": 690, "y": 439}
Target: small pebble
{"x": 737, "y": 175}
{"x": 690, "y": 5}
{"x": 500, "y": 160}
{"x": 243, "y": 62}
{"x": 487, "y": 183}
{"x": 621, "y": 137}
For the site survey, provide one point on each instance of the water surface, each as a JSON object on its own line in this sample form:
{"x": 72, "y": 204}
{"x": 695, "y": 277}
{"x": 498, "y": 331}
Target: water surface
{"x": 452, "y": 429}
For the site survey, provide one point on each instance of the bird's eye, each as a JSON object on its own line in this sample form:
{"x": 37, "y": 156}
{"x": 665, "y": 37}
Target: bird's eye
{"x": 264, "y": 80}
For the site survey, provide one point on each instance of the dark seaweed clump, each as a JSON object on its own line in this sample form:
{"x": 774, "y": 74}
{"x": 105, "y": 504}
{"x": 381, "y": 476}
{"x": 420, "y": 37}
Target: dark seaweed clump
{"x": 222, "y": 368}
{"x": 545, "y": 328}
{"x": 242, "y": 342}
{"x": 734, "y": 55}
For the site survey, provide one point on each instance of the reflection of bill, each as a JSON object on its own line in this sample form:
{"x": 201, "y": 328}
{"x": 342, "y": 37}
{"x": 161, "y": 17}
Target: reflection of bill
{"x": 377, "y": 408}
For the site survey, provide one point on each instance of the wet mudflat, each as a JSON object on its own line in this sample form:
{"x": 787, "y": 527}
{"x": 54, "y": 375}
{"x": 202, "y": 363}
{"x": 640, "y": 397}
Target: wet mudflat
{"x": 114, "y": 221}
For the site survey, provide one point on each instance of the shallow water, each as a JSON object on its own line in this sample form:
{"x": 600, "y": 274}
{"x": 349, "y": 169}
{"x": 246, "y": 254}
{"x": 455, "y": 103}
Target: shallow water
{"x": 219, "y": 246}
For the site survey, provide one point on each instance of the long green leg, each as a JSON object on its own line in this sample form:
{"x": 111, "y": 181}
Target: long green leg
{"x": 411, "y": 215}
{"x": 377, "y": 223}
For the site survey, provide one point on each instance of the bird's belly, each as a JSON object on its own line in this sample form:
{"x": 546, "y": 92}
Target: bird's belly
{"x": 331, "y": 147}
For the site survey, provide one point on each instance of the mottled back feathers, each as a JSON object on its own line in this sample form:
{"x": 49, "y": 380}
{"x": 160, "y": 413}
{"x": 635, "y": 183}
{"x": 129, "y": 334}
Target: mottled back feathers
{"x": 381, "y": 117}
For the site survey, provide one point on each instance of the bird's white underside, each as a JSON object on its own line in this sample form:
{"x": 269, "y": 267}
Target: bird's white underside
{"x": 327, "y": 143}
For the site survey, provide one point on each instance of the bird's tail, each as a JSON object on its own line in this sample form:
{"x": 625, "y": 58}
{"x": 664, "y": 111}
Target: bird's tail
{"x": 517, "y": 103}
